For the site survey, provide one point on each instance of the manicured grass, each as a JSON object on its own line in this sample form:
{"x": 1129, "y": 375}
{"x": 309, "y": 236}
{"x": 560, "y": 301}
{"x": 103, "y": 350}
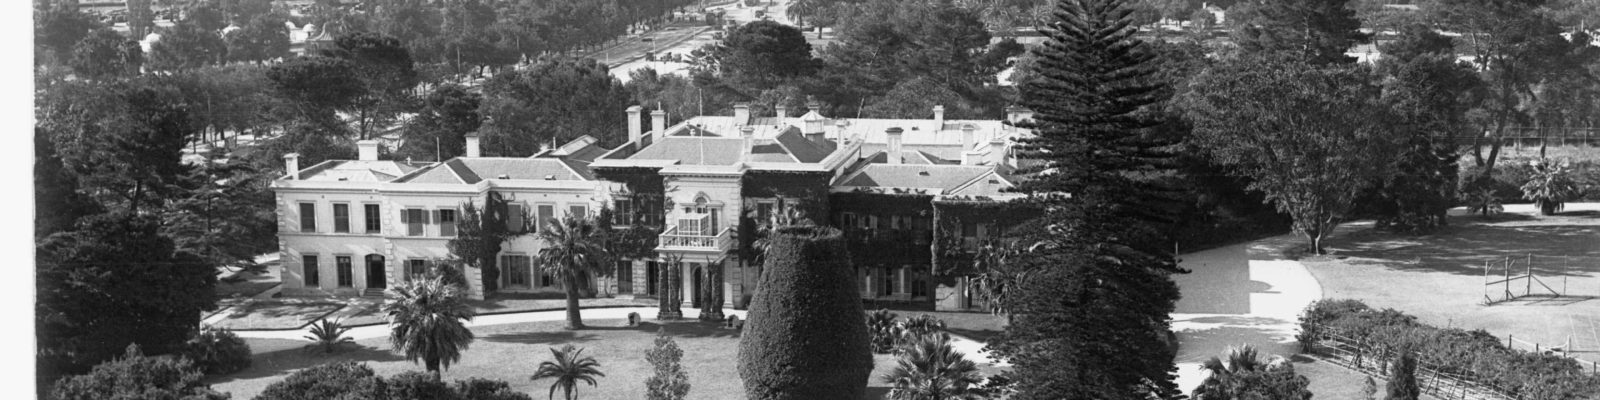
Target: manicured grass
{"x": 1440, "y": 278}
{"x": 276, "y": 314}
{"x": 511, "y": 352}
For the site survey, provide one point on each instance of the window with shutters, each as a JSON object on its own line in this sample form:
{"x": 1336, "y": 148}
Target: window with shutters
{"x": 578, "y": 210}
{"x": 547, "y": 213}
{"x": 847, "y": 220}
{"x": 919, "y": 282}
{"x": 447, "y": 223}
{"x": 416, "y": 268}
{"x": 309, "y": 268}
{"x": 625, "y": 277}
{"x": 308, "y": 217}
{"x": 514, "y": 216}
{"x": 374, "y": 219}
{"x": 622, "y": 212}
{"x": 346, "y": 272}
{"x": 764, "y": 211}
{"x": 341, "y": 218}
{"x": 516, "y": 270}
{"x": 415, "y": 219}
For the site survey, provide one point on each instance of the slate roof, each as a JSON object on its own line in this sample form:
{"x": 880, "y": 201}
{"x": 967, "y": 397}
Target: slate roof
{"x": 944, "y": 177}
{"x": 474, "y": 170}
{"x": 694, "y": 150}
{"x": 359, "y": 171}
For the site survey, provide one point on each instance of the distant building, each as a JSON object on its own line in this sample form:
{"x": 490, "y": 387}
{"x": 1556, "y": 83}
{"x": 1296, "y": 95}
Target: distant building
{"x": 915, "y": 197}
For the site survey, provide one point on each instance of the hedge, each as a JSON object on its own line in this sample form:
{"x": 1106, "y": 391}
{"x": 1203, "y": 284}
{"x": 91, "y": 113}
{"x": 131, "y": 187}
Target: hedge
{"x": 1477, "y": 353}
{"x": 805, "y": 337}
{"x": 352, "y": 381}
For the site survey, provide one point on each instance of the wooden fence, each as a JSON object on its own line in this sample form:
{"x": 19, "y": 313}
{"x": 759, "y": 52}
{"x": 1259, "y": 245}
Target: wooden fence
{"x": 1439, "y": 381}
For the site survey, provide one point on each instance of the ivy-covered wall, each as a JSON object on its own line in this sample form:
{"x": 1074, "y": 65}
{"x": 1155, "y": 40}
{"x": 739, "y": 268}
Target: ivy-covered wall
{"x": 905, "y": 246}
{"x": 806, "y": 192}
{"x": 645, "y": 188}
{"x": 950, "y": 259}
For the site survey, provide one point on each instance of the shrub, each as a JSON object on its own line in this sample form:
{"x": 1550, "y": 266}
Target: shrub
{"x": 807, "y": 339}
{"x": 135, "y": 376}
{"x": 1550, "y": 187}
{"x": 487, "y": 389}
{"x": 882, "y": 331}
{"x": 633, "y": 319}
{"x": 217, "y": 351}
{"x": 670, "y": 382}
{"x": 414, "y": 385}
{"x": 731, "y": 321}
{"x": 344, "y": 381}
{"x": 1403, "y": 379}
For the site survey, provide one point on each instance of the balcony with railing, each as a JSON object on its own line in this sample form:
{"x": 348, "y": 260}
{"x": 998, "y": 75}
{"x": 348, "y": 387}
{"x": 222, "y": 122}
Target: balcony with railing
{"x": 674, "y": 239}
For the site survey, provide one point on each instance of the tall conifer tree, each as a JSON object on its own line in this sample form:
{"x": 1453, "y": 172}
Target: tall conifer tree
{"x": 1094, "y": 323}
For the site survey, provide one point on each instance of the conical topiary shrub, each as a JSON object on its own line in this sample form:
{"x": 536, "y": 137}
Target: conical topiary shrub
{"x": 804, "y": 337}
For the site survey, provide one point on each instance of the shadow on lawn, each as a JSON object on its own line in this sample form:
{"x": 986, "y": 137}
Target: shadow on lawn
{"x": 678, "y": 329}
{"x": 1464, "y": 249}
{"x": 286, "y": 361}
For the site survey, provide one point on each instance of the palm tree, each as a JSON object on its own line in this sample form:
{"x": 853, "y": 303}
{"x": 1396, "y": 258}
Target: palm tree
{"x": 573, "y": 247}
{"x": 1234, "y": 361}
{"x": 568, "y": 369}
{"x": 427, "y": 321}
{"x": 883, "y": 329}
{"x": 328, "y": 335}
{"x": 930, "y": 369}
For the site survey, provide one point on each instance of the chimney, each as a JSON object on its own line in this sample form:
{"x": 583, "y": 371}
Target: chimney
{"x": 474, "y": 147}
{"x": 838, "y": 130}
{"x": 748, "y": 133}
{"x": 741, "y": 114}
{"x": 938, "y": 118}
{"x": 291, "y": 165}
{"x": 635, "y": 125}
{"x": 782, "y": 112}
{"x": 971, "y": 157}
{"x": 815, "y": 107}
{"x": 966, "y": 137}
{"x": 815, "y": 128}
{"x": 658, "y": 123}
{"x": 367, "y": 150}
{"x": 997, "y": 151}
{"x": 894, "y": 144}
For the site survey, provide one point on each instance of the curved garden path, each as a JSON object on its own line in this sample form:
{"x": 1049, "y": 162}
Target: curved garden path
{"x": 1237, "y": 294}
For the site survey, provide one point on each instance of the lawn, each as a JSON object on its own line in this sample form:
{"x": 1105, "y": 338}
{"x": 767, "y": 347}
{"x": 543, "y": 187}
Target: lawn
{"x": 1440, "y": 278}
{"x": 511, "y": 352}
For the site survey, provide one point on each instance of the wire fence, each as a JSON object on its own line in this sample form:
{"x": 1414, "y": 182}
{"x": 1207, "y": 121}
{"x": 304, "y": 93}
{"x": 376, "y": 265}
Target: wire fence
{"x": 1444, "y": 382}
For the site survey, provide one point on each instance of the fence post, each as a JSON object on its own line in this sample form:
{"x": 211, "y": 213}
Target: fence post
{"x": 1508, "y": 278}
{"x": 1486, "y": 299}
{"x": 1528, "y": 291}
